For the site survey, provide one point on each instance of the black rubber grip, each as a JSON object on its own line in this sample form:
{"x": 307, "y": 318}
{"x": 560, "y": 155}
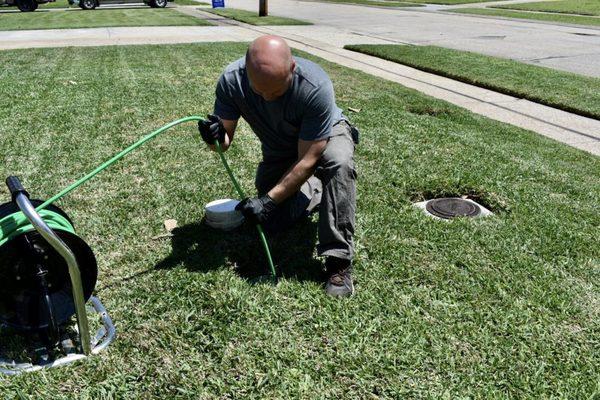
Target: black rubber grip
{"x": 15, "y": 187}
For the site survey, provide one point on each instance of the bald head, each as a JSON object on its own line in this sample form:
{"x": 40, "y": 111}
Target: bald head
{"x": 270, "y": 66}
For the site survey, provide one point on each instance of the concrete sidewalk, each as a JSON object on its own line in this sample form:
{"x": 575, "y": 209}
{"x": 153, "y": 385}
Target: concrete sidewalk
{"x": 122, "y": 36}
{"x": 580, "y": 132}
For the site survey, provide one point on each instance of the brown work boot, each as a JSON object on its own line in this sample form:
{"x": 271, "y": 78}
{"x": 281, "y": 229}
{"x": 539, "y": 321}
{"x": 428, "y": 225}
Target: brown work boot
{"x": 340, "y": 282}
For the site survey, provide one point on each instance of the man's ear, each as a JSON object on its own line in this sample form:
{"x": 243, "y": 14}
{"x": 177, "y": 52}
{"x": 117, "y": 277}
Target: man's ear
{"x": 293, "y": 66}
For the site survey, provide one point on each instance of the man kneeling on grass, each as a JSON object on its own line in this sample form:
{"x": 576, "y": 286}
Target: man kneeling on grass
{"x": 307, "y": 146}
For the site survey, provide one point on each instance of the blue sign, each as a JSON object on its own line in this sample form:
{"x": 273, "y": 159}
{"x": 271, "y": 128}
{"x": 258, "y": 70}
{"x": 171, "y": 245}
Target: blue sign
{"x": 218, "y": 3}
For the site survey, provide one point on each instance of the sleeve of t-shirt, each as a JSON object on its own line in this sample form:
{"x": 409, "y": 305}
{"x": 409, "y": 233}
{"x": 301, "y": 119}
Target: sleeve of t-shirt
{"x": 225, "y": 106}
{"x": 318, "y": 117}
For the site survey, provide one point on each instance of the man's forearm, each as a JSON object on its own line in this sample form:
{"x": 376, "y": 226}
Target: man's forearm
{"x": 292, "y": 180}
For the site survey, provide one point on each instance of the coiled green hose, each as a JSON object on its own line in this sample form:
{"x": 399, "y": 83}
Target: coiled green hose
{"x": 16, "y": 224}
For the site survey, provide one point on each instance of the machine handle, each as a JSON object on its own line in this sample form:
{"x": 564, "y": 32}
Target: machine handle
{"x": 65, "y": 252}
{"x": 15, "y": 187}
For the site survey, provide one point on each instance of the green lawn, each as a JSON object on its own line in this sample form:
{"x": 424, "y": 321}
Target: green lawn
{"x": 504, "y": 307}
{"x": 97, "y": 18}
{"x": 190, "y": 3}
{"x": 538, "y": 16}
{"x": 252, "y": 18}
{"x": 564, "y": 90}
{"x": 582, "y": 7}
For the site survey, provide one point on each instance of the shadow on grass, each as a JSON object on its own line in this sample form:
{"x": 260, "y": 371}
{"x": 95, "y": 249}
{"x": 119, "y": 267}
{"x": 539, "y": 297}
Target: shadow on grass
{"x": 14, "y": 346}
{"x": 200, "y": 248}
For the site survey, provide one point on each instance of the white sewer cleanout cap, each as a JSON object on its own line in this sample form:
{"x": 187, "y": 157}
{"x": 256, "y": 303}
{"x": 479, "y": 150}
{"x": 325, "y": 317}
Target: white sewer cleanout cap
{"x": 221, "y": 214}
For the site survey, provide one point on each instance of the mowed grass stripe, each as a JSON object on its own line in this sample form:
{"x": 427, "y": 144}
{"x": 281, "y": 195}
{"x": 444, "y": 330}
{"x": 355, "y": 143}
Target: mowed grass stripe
{"x": 505, "y": 307}
{"x": 190, "y": 3}
{"x": 252, "y": 18}
{"x": 566, "y": 91}
{"x": 78, "y": 18}
{"x": 581, "y": 7}
{"x": 537, "y": 16}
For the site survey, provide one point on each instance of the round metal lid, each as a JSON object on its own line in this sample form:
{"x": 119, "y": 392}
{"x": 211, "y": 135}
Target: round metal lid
{"x": 452, "y": 207}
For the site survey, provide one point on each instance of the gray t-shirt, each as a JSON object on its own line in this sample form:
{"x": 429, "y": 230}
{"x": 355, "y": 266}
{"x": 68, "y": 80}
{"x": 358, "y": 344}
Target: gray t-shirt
{"x": 306, "y": 111}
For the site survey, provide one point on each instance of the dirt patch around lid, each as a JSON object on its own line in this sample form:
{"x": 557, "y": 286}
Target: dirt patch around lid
{"x": 492, "y": 201}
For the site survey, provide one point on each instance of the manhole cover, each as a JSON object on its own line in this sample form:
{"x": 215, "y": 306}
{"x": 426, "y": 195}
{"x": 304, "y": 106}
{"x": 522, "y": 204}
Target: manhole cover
{"x": 451, "y": 207}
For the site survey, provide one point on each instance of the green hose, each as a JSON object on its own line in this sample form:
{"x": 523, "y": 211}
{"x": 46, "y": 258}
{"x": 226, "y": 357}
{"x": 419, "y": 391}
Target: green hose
{"x": 15, "y": 224}
{"x": 261, "y": 234}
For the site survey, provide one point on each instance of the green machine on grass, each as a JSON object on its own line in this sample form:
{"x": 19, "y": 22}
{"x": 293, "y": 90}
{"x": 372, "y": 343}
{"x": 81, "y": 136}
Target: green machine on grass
{"x": 49, "y": 273}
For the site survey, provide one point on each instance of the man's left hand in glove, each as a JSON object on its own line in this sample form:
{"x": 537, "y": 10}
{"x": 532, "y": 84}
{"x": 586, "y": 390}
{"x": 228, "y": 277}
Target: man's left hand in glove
{"x": 212, "y": 130}
{"x": 257, "y": 210}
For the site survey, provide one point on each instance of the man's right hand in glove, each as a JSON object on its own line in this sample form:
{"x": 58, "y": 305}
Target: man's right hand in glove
{"x": 212, "y": 129}
{"x": 257, "y": 210}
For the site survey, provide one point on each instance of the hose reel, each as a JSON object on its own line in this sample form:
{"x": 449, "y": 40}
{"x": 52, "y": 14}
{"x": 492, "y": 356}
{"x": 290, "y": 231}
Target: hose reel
{"x": 48, "y": 273}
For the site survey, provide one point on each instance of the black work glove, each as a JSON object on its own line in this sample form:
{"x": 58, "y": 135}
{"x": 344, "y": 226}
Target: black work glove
{"x": 212, "y": 129}
{"x": 257, "y": 210}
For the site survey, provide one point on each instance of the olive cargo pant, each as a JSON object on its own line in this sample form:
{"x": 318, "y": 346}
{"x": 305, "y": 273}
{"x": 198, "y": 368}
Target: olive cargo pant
{"x": 332, "y": 187}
